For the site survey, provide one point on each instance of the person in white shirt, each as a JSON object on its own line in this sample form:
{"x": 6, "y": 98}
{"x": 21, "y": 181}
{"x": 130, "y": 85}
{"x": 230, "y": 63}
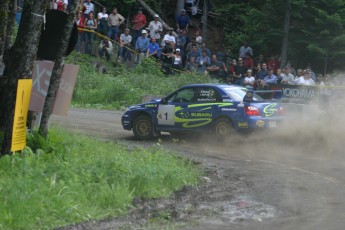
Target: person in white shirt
{"x": 168, "y": 38}
{"x": 102, "y": 14}
{"x": 155, "y": 28}
{"x": 288, "y": 78}
{"x": 249, "y": 79}
{"x": 305, "y": 79}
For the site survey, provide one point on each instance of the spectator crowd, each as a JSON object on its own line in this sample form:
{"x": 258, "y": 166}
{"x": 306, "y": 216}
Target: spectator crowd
{"x": 177, "y": 50}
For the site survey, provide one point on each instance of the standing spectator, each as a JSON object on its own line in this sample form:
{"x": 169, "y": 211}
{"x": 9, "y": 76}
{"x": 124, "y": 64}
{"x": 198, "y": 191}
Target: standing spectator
{"x": 64, "y": 8}
{"x": 240, "y": 72}
{"x": 155, "y": 28}
{"x": 153, "y": 49}
{"x": 279, "y": 75}
{"x": 288, "y": 78}
{"x": 182, "y": 21}
{"x": 245, "y": 49}
{"x": 89, "y": 7}
{"x": 182, "y": 39}
{"x": 80, "y": 24}
{"x": 249, "y": 80}
{"x": 102, "y": 19}
{"x": 192, "y": 65}
{"x": 248, "y": 61}
{"x": 114, "y": 22}
{"x": 105, "y": 49}
{"x": 203, "y": 61}
{"x": 125, "y": 41}
{"x": 139, "y": 22}
{"x": 141, "y": 46}
{"x": 168, "y": 38}
{"x": 90, "y": 24}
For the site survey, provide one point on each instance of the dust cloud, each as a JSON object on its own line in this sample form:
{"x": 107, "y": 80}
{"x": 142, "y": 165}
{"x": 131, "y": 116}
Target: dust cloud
{"x": 315, "y": 129}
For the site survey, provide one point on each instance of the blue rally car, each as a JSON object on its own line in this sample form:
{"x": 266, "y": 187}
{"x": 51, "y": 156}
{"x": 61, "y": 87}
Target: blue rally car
{"x": 218, "y": 108}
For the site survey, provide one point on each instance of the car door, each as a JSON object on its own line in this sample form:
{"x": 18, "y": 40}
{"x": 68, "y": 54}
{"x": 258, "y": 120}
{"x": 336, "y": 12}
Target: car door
{"x": 190, "y": 108}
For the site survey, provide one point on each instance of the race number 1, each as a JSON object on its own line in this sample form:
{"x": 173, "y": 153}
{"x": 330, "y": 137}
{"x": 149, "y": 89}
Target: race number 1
{"x": 166, "y": 114}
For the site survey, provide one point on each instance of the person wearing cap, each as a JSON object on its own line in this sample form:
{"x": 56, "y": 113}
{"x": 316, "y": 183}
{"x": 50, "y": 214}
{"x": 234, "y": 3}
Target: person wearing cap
{"x": 141, "y": 45}
{"x": 125, "y": 42}
{"x": 168, "y": 38}
{"x": 155, "y": 28}
{"x": 249, "y": 80}
{"x": 139, "y": 22}
{"x": 177, "y": 59}
{"x": 182, "y": 21}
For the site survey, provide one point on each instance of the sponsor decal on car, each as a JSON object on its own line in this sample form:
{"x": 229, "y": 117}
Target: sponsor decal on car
{"x": 242, "y": 124}
{"x": 229, "y": 109}
{"x": 260, "y": 123}
{"x": 151, "y": 105}
{"x": 270, "y": 110}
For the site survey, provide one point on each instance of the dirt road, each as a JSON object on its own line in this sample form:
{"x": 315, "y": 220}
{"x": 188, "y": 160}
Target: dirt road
{"x": 285, "y": 179}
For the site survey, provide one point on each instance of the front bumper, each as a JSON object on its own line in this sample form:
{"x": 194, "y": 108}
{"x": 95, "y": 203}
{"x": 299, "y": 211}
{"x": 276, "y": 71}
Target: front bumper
{"x": 126, "y": 122}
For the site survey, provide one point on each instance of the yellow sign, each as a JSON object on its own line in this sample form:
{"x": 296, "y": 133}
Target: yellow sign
{"x": 20, "y": 114}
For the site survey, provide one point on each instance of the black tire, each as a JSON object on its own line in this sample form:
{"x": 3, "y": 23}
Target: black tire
{"x": 143, "y": 127}
{"x": 222, "y": 128}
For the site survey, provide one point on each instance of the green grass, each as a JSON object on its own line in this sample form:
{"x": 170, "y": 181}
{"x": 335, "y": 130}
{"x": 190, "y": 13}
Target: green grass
{"x": 82, "y": 179}
{"x": 123, "y": 86}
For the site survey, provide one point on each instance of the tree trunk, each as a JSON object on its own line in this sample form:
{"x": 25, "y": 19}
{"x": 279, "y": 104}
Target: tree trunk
{"x": 57, "y": 69}
{"x": 179, "y": 7}
{"x": 4, "y": 4}
{"x": 283, "y": 55}
{"x": 152, "y": 13}
{"x": 204, "y": 21}
{"x": 19, "y": 63}
{"x": 10, "y": 24}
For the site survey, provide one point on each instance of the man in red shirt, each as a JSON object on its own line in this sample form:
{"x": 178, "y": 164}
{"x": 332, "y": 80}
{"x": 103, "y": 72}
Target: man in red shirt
{"x": 139, "y": 22}
{"x": 248, "y": 61}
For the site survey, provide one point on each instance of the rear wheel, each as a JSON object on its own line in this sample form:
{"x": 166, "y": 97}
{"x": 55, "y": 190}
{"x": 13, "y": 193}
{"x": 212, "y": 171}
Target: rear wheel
{"x": 222, "y": 128}
{"x": 143, "y": 127}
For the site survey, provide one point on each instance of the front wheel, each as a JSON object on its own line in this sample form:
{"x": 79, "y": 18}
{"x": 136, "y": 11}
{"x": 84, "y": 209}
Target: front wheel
{"x": 222, "y": 128}
{"x": 143, "y": 127}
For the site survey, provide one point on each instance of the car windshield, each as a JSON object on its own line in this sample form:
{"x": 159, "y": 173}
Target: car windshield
{"x": 237, "y": 94}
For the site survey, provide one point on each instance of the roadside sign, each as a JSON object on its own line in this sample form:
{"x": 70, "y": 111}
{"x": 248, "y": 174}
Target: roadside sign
{"x": 20, "y": 114}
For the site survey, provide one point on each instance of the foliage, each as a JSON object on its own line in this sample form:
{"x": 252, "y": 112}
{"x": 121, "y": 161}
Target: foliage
{"x": 84, "y": 179}
{"x": 121, "y": 86}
